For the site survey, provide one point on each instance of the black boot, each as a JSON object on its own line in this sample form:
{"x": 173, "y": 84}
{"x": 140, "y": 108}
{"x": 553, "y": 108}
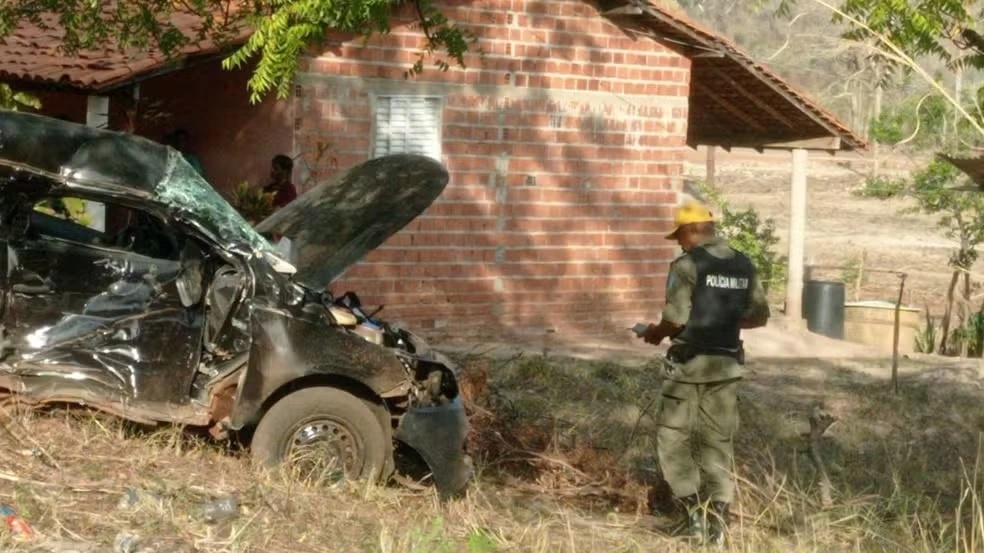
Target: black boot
{"x": 718, "y": 517}
{"x": 692, "y": 525}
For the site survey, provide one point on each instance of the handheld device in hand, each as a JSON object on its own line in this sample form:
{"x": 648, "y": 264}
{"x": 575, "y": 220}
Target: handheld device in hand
{"x": 639, "y": 328}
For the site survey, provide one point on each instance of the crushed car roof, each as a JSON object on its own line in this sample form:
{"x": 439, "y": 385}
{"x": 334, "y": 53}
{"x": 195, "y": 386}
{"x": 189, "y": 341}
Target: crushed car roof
{"x": 115, "y": 163}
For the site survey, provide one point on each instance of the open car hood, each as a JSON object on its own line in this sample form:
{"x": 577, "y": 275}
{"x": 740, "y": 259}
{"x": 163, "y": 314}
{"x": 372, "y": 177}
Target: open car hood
{"x": 336, "y": 223}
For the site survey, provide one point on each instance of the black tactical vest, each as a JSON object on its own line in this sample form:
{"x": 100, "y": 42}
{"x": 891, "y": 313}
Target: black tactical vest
{"x": 721, "y": 294}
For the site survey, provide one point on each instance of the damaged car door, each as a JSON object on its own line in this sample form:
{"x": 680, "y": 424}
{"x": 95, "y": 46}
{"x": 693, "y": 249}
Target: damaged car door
{"x": 100, "y": 314}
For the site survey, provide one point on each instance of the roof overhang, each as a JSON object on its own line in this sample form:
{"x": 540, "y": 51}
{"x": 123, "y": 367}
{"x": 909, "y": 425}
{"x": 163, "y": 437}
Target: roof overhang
{"x": 32, "y": 57}
{"x": 973, "y": 167}
{"x": 734, "y": 100}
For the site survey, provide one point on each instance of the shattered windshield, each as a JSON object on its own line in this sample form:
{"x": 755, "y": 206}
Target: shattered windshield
{"x": 77, "y": 155}
{"x": 184, "y": 190}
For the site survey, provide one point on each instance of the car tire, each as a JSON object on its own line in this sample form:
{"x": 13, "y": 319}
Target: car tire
{"x": 386, "y": 423}
{"x": 342, "y": 424}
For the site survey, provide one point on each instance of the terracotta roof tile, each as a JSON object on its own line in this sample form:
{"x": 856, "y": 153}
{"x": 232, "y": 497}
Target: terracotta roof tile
{"x": 33, "y": 55}
{"x": 735, "y": 101}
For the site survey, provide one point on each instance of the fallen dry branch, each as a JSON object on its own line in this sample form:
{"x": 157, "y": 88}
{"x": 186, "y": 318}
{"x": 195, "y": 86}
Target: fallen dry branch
{"x": 600, "y": 491}
{"x": 526, "y": 448}
{"x": 77, "y": 488}
{"x": 820, "y": 421}
{"x": 553, "y": 461}
{"x": 26, "y": 437}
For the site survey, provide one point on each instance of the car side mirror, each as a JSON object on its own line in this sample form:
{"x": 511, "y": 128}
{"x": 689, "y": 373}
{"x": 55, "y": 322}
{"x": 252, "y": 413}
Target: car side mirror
{"x": 189, "y": 281}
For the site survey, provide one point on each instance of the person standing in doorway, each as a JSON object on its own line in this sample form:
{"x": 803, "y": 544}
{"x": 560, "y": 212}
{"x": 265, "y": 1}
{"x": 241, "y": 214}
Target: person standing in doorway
{"x": 281, "y": 181}
{"x": 180, "y": 141}
{"x": 712, "y": 293}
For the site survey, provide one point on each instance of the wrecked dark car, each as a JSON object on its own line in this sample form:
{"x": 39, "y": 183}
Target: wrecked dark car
{"x": 166, "y": 306}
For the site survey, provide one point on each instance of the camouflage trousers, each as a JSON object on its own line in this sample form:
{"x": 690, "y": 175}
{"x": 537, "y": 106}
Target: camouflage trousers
{"x": 708, "y": 412}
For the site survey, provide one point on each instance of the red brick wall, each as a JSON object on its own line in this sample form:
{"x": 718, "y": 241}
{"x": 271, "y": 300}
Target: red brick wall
{"x": 565, "y": 145}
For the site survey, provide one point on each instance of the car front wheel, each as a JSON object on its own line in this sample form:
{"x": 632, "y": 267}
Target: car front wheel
{"x": 321, "y": 434}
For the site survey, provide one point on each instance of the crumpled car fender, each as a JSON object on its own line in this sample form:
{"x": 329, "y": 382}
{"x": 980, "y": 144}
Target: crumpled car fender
{"x": 436, "y": 432}
{"x": 286, "y": 348}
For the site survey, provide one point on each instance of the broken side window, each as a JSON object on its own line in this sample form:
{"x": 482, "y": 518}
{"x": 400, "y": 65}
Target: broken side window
{"x": 127, "y": 229}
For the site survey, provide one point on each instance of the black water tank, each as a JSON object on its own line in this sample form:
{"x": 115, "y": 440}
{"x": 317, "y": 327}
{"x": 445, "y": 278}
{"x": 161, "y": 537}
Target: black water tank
{"x": 823, "y": 307}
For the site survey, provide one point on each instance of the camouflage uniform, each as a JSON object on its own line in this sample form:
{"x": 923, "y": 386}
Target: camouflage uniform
{"x": 701, "y": 394}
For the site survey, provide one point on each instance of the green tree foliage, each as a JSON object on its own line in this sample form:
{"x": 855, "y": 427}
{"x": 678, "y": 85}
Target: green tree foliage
{"x": 924, "y": 123}
{"x": 904, "y": 32}
{"x": 919, "y": 121}
{"x": 805, "y": 46}
{"x": 939, "y": 28}
{"x": 13, "y": 100}
{"x": 960, "y": 213}
{"x": 282, "y": 29}
{"x": 888, "y": 127}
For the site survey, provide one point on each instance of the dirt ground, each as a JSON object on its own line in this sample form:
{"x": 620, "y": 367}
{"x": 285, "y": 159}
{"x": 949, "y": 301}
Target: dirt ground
{"x": 589, "y": 487}
{"x": 778, "y": 340}
{"x": 98, "y": 481}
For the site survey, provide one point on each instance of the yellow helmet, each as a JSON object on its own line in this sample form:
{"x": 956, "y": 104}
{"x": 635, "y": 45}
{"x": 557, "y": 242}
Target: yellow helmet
{"x": 688, "y": 214}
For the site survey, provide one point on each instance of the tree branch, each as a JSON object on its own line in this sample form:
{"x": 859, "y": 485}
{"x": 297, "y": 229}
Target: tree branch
{"x": 789, "y": 37}
{"x": 918, "y": 122}
{"x": 908, "y": 61}
{"x": 820, "y": 421}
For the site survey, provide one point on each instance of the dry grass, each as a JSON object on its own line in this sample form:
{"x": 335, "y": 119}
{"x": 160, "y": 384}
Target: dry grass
{"x": 565, "y": 462}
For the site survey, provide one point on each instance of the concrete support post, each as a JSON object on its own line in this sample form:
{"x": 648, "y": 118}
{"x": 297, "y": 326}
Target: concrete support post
{"x": 797, "y": 237}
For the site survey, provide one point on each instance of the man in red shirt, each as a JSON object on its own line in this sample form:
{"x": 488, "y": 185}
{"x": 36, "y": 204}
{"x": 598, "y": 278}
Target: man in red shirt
{"x": 283, "y": 190}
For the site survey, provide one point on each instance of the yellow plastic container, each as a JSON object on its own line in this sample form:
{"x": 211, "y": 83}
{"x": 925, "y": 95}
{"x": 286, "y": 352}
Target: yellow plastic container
{"x": 873, "y": 323}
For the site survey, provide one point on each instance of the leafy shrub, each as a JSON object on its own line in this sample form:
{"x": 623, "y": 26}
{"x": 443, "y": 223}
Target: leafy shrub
{"x": 926, "y": 337}
{"x": 252, "y": 202}
{"x": 881, "y": 188}
{"x": 13, "y": 100}
{"x": 971, "y": 334}
{"x": 887, "y": 127}
{"x": 921, "y": 122}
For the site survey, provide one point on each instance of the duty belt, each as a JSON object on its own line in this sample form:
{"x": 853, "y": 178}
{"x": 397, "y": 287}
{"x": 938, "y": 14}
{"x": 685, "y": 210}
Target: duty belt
{"x": 682, "y": 353}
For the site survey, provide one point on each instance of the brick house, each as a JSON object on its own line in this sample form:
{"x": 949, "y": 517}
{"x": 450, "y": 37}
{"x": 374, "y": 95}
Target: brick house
{"x": 566, "y": 143}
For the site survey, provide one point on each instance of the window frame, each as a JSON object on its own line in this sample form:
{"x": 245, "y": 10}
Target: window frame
{"x": 377, "y": 101}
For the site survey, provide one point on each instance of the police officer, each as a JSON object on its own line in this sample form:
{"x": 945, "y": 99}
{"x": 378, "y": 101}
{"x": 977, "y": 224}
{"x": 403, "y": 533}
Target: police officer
{"x": 712, "y": 293}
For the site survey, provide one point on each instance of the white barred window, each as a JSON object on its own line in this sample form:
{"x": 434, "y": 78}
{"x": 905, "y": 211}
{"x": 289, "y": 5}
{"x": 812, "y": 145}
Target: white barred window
{"x": 407, "y": 125}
